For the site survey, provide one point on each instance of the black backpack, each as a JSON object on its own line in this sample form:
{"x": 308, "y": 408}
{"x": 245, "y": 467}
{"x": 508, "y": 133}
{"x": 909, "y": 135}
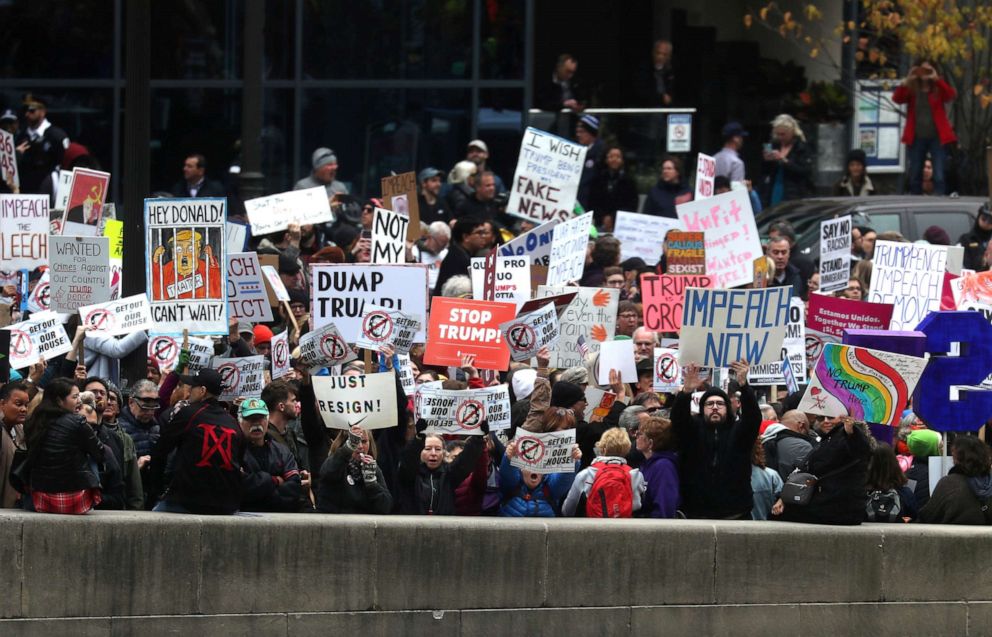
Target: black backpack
{"x": 883, "y": 506}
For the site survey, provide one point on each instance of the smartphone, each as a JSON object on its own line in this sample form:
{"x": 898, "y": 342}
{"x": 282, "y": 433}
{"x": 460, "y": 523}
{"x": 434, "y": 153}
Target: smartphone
{"x": 366, "y": 234}
{"x": 766, "y": 147}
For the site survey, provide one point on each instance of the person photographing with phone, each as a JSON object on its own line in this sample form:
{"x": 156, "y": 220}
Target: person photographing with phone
{"x": 350, "y": 479}
{"x": 927, "y": 129}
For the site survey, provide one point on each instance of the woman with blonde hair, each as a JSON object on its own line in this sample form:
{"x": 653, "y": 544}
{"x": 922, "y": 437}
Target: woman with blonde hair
{"x": 610, "y": 487}
{"x": 350, "y": 479}
{"x": 788, "y": 163}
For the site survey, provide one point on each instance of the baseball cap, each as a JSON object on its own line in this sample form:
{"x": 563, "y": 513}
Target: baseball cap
{"x": 253, "y": 407}
{"x": 428, "y": 173}
{"x": 323, "y": 156}
{"x": 244, "y": 327}
{"x": 733, "y": 129}
{"x": 478, "y": 143}
{"x": 209, "y": 379}
{"x": 8, "y": 116}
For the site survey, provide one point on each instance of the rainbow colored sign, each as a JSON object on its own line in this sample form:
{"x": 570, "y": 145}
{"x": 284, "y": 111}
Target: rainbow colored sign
{"x": 866, "y": 384}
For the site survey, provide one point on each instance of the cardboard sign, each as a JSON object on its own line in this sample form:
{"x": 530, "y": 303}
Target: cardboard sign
{"x": 40, "y": 298}
{"x": 793, "y": 351}
{"x": 866, "y": 384}
{"x": 618, "y": 355}
{"x": 835, "y": 254}
{"x": 384, "y": 326}
{"x": 184, "y": 239}
{"x": 463, "y": 326}
{"x": 461, "y": 412}
{"x": 685, "y": 252}
{"x": 87, "y": 194}
{"x": 910, "y": 276}
{"x": 547, "y": 177}
{"x": 545, "y": 453}
{"x": 274, "y": 284}
{"x": 8, "y": 161}
{"x": 164, "y": 348}
{"x": 399, "y": 193}
{"x": 529, "y": 332}
{"x": 568, "y": 250}
{"x": 662, "y": 298}
{"x": 642, "y": 235}
{"x": 592, "y": 314}
{"x": 276, "y": 212}
{"x": 389, "y": 236}
{"x": 24, "y": 225}
{"x": 323, "y": 347}
{"x": 832, "y": 315}
{"x": 720, "y": 327}
{"x": 705, "y": 176}
{"x": 340, "y": 292}
{"x": 512, "y": 280}
{"x": 246, "y": 297}
{"x": 242, "y": 377}
{"x": 80, "y": 271}
{"x": 235, "y": 237}
{"x": 535, "y": 244}
{"x": 41, "y": 336}
{"x": 732, "y": 242}
{"x": 114, "y": 318}
{"x": 368, "y": 400}
{"x": 281, "y": 360}
{"x": 667, "y": 370}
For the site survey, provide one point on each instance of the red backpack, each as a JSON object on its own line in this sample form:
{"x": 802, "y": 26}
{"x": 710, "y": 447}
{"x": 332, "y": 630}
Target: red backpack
{"x": 612, "y": 492}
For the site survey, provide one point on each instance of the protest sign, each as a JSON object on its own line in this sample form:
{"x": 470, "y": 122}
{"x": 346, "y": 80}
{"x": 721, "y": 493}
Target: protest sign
{"x": 62, "y": 196}
{"x": 910, "y": 276}
{"x": 399, "y": 193}
{"x": 8, "y": 161}
{"x": 406, "y": 374}
{"x": 79, "y": 272}
{"x": 275, "y": 212}
{"x": 791, "y": 384}
{"x": 461, "y": 412}
{"x": 547, "y": 177}
{"x": 40, "y": 298}
{"x": 598, "y": 402}
{"x": 235, "y": 237}
{"x": 568, "y": 250}
{"x": 545, "y": 453}
{"x": 832, "y": 315}
{"x": 114, "y": 318}
{"x": 184, "y": 239}
{"x": 560, "y": 301}
{"x": 41, "y": 336}
{"x": 535, "y": 244}
{"x": 323, "y": 347}
{"x": 242, "y": 377}
{"x": 281, "y": 362}
{"x": 512, "y": 280}
{"x": 720, "y": 327}
{"x": 246, "y": 298}
{"x": 705, "y": 176}
{"x": 388, "y": 236}
{"x": 87, "y": 194}
{"x": 368, "y": 400}
{"x": 113, "y": 230}
{"x": 385, "y": 326}
{"x": 793, "y": 351}
{"x": 972, "y": 288}
{"x": 835, "y": 254}
{"x": 662, "y": 298}
{"x": 685, "y": 252}
{"x": 463, "y": 326}
{"x": 274, "y": 284}
{"x": 24, "y": 225}
{"x": 529, "y": 332}
{"x": 667, "y": 370}
{"x": 866, "y": 384}
{"x": 618, "y": 355}
{"x": 731, "y": 236}
{"x": 592, "y": 314}
{"x": 642, "y": 235}
{"x": 477, "y": 273}
{"x": 340, "y": 292}
{"x": 164, "y": 349}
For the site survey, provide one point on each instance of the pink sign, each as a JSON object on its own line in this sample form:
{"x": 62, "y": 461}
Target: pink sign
{"x": 832, "y": 315}
{"x": 663, "y": 296}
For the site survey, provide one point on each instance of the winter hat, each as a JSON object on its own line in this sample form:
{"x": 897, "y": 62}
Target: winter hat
{"x": 937, "y": 236}
{"x": 323, "y": 156}
{"x": 577, "y": 375}
{"x": 299, "y": 296}
{"x": 715, "y": 391}
{"x": 857, "y": 155}
{"x": 923, "y": 443}
{"x": 262, "y": 334}
{"x": 566, "y": 394}
{"x": 523, "y": 383}
{"x": 72, "y": 153}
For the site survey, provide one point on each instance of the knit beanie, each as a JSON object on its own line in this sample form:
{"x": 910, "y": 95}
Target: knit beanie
{"x": 923, "y": 443}
{"x": 566, "y": 394}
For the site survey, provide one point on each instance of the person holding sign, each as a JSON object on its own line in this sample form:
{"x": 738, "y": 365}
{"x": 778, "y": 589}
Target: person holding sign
{"x": 426, "y": 483}
{"x": 186, "y": 275}
{"x": 527, "y": 494}
{"x": 350, "y": 479}
{"x": 715, "y": 447}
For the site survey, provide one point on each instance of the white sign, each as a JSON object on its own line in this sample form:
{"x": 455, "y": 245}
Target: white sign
{"x": 547, "y": 177}
{"x": 281, "y": 360}
{"x": 535, "y": 244}
{"x": 568, "y": 250}
{"x": 793, "y": 351}
{"x": 679, "y": 138}
{"x": 528, "y": 333}
{"x": 164, "y": 349}
{"x": 24, "y": 225}
{"x": 8, "y": 160}
{"x": 276, "y": 212}
{"x": 323, "y": 347}
{"x": 512, "y": 279}
{"x": 41, "y": 336}
{"x": 732, "y": 242}
{"x": 62, "y": 192}
{"x": 235, "y": 237}
{"x": 368, "y": 400}
{"x": 41, "y": 296}
{"x": 705, "y": 176}
{"x": 384, "y": 326}
{"x": 406, "y": 374}
{"x": 592, "y": 314}
{"x": 667, "y": 370}
{"x": 618, "y": 355}
{"x": 642, "y": 235}
{"x": 389, "y": 236}
{"x": 80, "y": 271}
{"x": 461, "y": 411}
{"x": 241, "y": 377}
{"x": 545, "y": 453}
{"x": 910, "y": 276}
{"x": 246, "y": 296}
{"x": 275, "y": 283}
{"x": 127, "y": 315}
{"x": 835, "y": 254}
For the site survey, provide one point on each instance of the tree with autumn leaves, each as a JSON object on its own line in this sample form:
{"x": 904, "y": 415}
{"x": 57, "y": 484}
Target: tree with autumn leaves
{"x": 890, "y": 35}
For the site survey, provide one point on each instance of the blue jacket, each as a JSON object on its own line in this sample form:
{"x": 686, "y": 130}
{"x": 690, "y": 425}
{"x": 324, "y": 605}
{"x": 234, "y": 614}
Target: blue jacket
{"x": 661, "y": 472}
{"x": 519, "y": 501}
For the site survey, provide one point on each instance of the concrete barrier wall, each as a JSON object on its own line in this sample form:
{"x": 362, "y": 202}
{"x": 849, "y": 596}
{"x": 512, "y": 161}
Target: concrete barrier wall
{"x": 154, "y": 574}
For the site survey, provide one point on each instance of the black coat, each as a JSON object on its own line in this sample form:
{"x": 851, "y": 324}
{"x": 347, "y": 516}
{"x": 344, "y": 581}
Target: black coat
{"x": 456, "y": 262}
{"x": 62, "y": 461}
{"x": 209, "y": 188}
{"x": 260, "y": 465}
{"x": 41, "y": 157}
{"x": 422, "y": 491}
{"x": 920, "y": 473}
{"x": 793, "y": 278}
{"x": 340, "y": 492}
{"x": 661, "y": 199}
{"x": 954, "y": 502}
{"x": 797, "y": 174}
{"x": 975, "y": 242}
{"x": 611, "y": 191}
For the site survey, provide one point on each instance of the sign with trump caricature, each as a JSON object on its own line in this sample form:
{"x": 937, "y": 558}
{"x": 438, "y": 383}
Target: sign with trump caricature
{"x": 184, "y": 239}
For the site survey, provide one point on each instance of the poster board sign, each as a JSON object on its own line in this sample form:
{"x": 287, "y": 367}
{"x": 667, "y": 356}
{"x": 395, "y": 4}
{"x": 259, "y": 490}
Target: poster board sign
{"x": 242, "y": 377}
{"x": 368, "y": 400}
{"x": 685, "y": 252}
{"x": 40, "y": 298}
{"x": 246, "y": 297}
{"x": 24, "y": 226}
{"x": 731, "y": 236}
{"x": 185, "y": 258}
{"x": 705, "y": 176}
{"x": 465, "y": 326}
{"x": 592, "y": 314}
{"x": 663, "y": 296}
{"x": 720, "y": 327}
{"x": 512, "y": 280}
{"x": 164, "y": 349}
{"x": 598, "y": 402}
{"x": 62, "y": 194}
{"x": 389, "y": 231}
{"x": 461, "y": 412}
{"x": 832, "y": 315}
{"x": 275, "y": 212}
{"x": 8, "y": 161}
{"x": 667, "y": 376}
{"x": 339, "y": 294}
{"x": 835, "y": 254}
{"x": 866, "y": 384}
{"x": 909, "y": 276}
{"x": 546, "y": 181}
{"x": 793, "y": 351}
{"x": 568, "y": 250}
{"x": 406, "y": 375}
{"x": 79, "y": 271}
{"x": 399, "y": 193}
{"x": 235, "y": 237}
{"x": 529, "y": 332}
{"x": 41, "y": 336}
{"x": 618, "y": 355}
{"x": 114, "y": 318}
{"x": 323, "y": 347}
{"x": 281, "y": 360}
{"x": 545, "y": 453}
{"x": 275, "y": 288}
{"x": 385, "y": 326}
{"x": 535, "y": 244}
{"x": 113, "y": 230}
{"x": 642, "y": 235}
{"x": 87, "y": 194}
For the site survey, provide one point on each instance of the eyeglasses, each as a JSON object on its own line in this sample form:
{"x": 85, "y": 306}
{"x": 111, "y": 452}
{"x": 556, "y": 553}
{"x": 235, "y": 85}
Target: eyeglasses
{"x": 714, "y": 403}
{"x": 146, "y": 406}
{"x": 651, "y": 410}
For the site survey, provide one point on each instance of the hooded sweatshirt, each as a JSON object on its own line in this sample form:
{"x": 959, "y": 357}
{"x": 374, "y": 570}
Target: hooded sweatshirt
{"x": 959, "y": 499}
{"x": 975, "y": 242}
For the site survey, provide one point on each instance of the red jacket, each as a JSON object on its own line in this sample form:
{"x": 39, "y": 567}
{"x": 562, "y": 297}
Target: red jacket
{"x": 940, "y": 93}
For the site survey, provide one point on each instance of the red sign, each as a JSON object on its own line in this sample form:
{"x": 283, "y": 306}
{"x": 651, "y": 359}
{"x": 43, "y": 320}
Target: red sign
{"x": 662, "y": 296}
{"x": 832, "y": 315}
{"x": 463, "y": 326}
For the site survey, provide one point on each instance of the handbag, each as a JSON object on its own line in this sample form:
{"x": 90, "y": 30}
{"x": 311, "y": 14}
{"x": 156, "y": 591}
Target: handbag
{"x": 800, "y": 486}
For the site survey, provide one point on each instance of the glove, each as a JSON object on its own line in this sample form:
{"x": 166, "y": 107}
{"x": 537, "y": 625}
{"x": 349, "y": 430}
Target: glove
{"x": 484, "y": 427}
{"x": 182, "y": 361}
{"x": 421, "y": 426}
{"x": 369, "y": 473}
{"x": 354, "y": 440}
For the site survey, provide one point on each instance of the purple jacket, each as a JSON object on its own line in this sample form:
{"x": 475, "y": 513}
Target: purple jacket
{"x": 661, "y": 473}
